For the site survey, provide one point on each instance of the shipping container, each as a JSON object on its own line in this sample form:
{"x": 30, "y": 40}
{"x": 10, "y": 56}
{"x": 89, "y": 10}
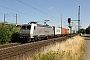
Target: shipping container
{"x": 64, "y": 31}
{"x": 68, "y": 31}
{"x": 72, "y": 32}
{"x": 57, "y": 31}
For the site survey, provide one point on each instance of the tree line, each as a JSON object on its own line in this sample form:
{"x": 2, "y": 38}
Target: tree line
{"x": 83, "y": 31}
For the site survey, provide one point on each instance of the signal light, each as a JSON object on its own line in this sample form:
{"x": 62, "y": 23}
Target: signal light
{"x": 69, "y": 20}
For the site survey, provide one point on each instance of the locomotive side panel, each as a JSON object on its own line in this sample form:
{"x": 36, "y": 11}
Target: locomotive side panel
{"x": 40, "y": 31}
{"x": 43, "y": 31}
{"x": 49, "y": 31}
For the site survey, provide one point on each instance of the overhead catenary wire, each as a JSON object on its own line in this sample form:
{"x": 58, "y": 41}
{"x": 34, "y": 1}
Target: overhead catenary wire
{"x": 20, "y": 11}
{"x": 28, "y": 10}
{"x": 41, "y": 7}
{"x": 17, "y": 11}
{"x": 34, "y": 8}
{"x": 14, "y": 5}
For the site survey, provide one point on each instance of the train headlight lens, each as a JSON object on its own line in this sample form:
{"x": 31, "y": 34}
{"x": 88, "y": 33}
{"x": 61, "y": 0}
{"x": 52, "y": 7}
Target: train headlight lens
{"x": 20, "y": 34}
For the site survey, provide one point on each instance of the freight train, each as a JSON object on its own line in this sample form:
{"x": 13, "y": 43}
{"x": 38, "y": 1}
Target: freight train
{"x": 33, "y": 32}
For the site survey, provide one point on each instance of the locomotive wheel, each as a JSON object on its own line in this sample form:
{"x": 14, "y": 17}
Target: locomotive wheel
{"x": 40, "y": 38}
{"x": 36, "y": 39}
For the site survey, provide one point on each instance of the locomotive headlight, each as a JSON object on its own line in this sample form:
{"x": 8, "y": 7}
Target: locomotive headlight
{"x": 20, "y": 34}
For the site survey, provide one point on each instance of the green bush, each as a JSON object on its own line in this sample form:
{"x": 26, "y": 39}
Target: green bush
{"x": 6, "y": 32}
{"x": 82, "y": 31}
{"x": 15, "y": 37}
{"x": 88, "y": 30}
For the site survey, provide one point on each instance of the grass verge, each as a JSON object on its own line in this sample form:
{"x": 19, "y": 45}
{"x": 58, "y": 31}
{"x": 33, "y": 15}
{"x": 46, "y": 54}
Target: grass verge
{"x": 71, "y": 49}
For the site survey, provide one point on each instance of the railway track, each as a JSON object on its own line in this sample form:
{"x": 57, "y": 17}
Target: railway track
{"x": 13, "y": 50}
{"x": 9, "y": 45}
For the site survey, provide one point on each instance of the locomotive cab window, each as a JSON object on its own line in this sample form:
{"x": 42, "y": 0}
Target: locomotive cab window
{"x": 28, "y": 27}
{"x": 23, "y": 27}
{"x": 34, "y": 27}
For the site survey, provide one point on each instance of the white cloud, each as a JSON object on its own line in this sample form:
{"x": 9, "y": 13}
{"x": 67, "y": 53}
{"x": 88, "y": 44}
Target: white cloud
{"x": 51, "y": 7}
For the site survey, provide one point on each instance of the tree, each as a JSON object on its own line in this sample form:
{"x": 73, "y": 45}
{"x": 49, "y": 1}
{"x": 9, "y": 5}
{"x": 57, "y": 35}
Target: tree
{"x": 88, "y": 30}
{"x": 6, "y": 32}
{"x": 82, "y": 31}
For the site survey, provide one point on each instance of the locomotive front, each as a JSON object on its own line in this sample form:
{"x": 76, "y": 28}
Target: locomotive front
{"x": 25, "y": 32}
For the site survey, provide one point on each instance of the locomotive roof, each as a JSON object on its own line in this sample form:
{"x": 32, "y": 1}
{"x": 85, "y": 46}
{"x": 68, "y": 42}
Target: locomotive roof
{"x": 26, "y": 24}
{"x": 44, "y": 25}
{"x": 37, "y": 25}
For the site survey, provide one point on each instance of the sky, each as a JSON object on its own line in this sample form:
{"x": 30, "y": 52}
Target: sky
{"x": 40, "y": 10}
